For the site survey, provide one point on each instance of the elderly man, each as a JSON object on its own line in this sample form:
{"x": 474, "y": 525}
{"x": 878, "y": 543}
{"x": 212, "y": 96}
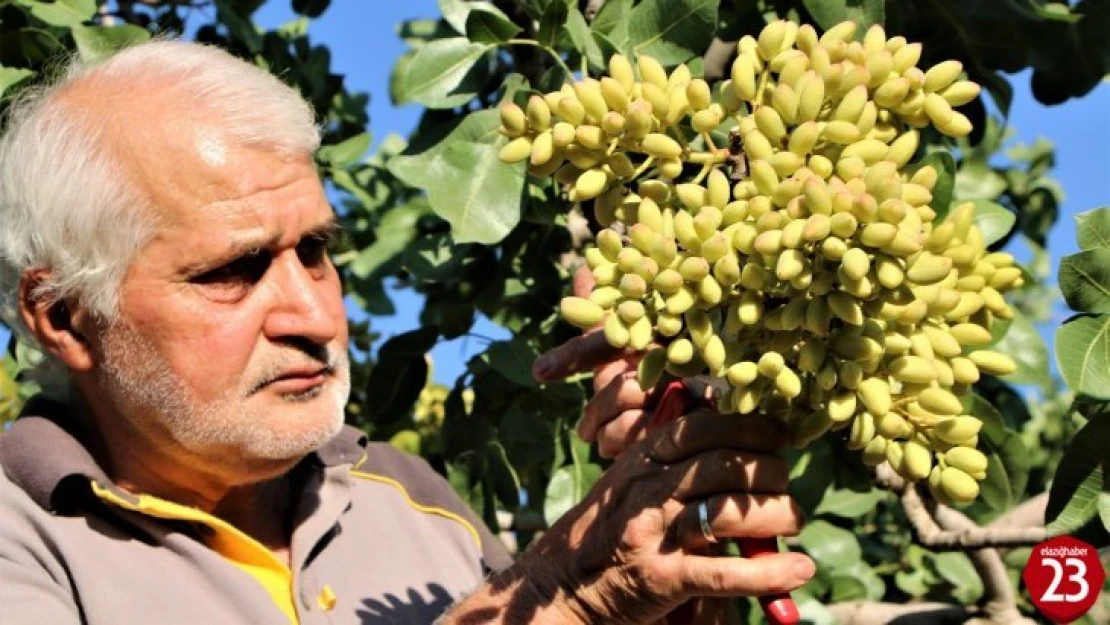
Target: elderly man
{"x": 163, "y": 236}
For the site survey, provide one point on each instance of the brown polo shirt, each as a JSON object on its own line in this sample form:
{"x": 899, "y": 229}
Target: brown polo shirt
{"x": 377, "y": 537}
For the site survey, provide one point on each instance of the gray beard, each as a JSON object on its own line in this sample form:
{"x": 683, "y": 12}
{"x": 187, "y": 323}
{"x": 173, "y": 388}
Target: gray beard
{"x": 142, "y": 386}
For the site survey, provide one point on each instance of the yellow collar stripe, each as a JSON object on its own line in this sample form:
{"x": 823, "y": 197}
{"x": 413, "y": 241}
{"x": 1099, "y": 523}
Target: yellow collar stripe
{"x": 227, "y": 540}
{"x": 447, "y": 514}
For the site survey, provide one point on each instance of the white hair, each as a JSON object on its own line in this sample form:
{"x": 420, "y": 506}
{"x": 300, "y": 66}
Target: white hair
{"x": 67, "y": 202}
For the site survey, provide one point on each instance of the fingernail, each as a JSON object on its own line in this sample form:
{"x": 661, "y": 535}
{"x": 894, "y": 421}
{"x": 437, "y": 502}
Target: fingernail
{"x": 542, "y": 367}
{"x": 804, "y": 568}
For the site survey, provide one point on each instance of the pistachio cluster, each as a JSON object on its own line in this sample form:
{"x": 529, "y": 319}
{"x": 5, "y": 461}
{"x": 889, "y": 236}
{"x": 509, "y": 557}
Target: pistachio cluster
{"x": 805, "y": 266}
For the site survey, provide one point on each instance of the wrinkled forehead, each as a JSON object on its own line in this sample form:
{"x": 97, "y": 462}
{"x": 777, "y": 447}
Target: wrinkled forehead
{"x": 174, "y": 148}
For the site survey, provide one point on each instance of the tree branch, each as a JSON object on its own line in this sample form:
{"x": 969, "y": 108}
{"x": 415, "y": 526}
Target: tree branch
{"x": 1004, "y": 532}
{"x": 878, "y": 613}
{"x": 716, "y": 59}
{"x": 528, "y": 61}
{"x": 1001, "y": 604}
{"x": 940, "y": 525}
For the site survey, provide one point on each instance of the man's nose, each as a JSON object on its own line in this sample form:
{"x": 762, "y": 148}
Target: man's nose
{"x": 304, "y": 304}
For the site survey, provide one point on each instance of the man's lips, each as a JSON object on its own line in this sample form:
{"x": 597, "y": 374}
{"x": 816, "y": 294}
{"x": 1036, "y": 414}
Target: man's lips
{"x": 299, "y": 380}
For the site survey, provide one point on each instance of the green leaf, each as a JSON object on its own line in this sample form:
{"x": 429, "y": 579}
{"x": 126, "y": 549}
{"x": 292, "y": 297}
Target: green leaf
{"x": 672, "y": 31}
{"x": 849, "y": 504}
{"x": 433, "y": 258}
{"x": 1078, "y": 484}
{"x": 554, "y": 78}
{"x": 97, "y": 42}
{"x": 506, "y": 485}
{"x": 513, "y": 359}
{"x": 583, "y": 40}
{"x": 1000, "y": 89}
{"x": 12, "y": 76}
{"x": 551, "y": 23}
{"x": 1104, "y": 507}
{"x": 1025, "y": 344}
{"x": 847, "y": 588}
{"x": 1007, "y": 456}
{"x": 455, "y": 13}
{"x": 529, "y": 436}
{"x": 64, "y": 13}
{"x": 612, "y": 18}
{"x": 419, "y": 32}
{"x": 1058, "y": 11}
{"x": 486, "y": 24}
{"x": 832, "y": 547}
{"x": 446, "y": 73}
{"x": 975, "y": 180}
{"x": 995, "y": 490}
{"x": 466, "y": 182}
{"x": 941, "y": 160}
{"x": 394, "y": 233}
{"x": 1085, "y": 280}
{"x": 829, "y": 13}
{"x": 400, "y": 374}
{"x": 1083, "y": 354}
{"x": 311, "y": 8}
{"x": 873, "y": 586}
{"x": 567, "y": 487}
{"x": 1093, "y": 228}
{"x": 911, "y": 582}
{"x": 994, "y": 221}
{"x": 397, "y": 78}
{"x": 956, "y": 568}
{"x": 812, "y": 611}
{"x": 1082, "y": 506}
{"x": 812, "y": 471}
{"x": 343, "y": 155}
{"x": 238, "y": 26}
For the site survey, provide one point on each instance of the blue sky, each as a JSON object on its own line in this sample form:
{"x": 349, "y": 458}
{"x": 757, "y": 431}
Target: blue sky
{"x": 364, "y": 46}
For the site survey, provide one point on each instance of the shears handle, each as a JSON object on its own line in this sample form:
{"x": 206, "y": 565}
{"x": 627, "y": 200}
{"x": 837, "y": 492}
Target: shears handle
{"x": 677, "y": 401}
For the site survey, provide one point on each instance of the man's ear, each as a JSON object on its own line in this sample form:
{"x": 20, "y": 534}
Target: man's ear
{"x": 58, "y": 326}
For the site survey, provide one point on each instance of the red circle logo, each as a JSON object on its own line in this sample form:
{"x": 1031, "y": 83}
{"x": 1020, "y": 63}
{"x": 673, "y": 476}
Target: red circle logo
{"x": 1064, "y": 577}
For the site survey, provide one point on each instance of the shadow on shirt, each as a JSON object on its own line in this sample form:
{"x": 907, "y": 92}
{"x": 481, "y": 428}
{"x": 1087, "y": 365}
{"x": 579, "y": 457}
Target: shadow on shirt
{"x": 415, "y": 609}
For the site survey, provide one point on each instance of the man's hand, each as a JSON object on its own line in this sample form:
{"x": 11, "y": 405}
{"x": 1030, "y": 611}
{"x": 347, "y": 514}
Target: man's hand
{"x": 633, "y": 550}
{"x": 616, "y": 415}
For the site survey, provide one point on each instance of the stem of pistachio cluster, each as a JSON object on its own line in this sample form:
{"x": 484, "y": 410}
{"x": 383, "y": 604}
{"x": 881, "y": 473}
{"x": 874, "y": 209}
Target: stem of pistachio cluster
{"x": 681, "y": 138}
{"x": 643, "y": 167}
{"x": 708, "y": 141}
{"x": 550, "y": 51}
{"x": 705, "y": 169}
{"x": 715, "y": 157}
{"x": 761, "y": 87}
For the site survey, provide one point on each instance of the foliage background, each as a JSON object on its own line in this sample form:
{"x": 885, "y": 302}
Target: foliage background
{"x": 431, "y": 214}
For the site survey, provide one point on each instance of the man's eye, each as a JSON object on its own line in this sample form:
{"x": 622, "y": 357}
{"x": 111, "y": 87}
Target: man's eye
{"x": 245, "y": 270}
{"x": 312, "y": 251}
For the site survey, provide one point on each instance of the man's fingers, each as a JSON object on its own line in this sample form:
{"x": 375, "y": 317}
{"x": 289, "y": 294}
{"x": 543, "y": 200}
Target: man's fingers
{"x": 583, "y": 281}
{"x": 605, "y": 372}
{"x": 619, "y": 434}
{"x": 727, "y": 470}
{"x": 580, "y": 353}
{"x": 621, "y": 394}
{"x": 700, "y": 431}
{"x": 739, "y": 516}
{"x": 723, "y": 576}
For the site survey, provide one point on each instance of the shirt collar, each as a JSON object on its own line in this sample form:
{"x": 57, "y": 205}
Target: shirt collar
{"x": 43, "y": 448}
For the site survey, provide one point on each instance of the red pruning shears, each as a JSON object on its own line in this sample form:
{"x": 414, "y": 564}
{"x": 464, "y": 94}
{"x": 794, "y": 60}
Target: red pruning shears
{"x": 680, "y": 397}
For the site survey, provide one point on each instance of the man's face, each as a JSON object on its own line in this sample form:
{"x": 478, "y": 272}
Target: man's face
{"x": 231, "y": 343}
